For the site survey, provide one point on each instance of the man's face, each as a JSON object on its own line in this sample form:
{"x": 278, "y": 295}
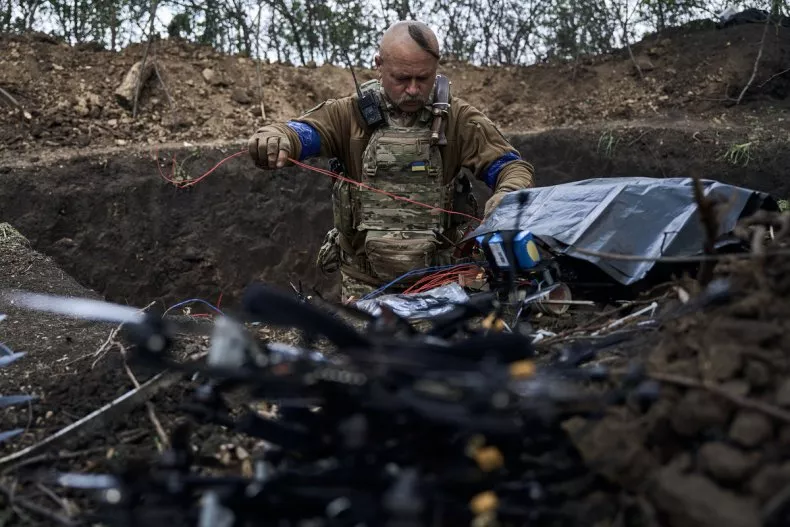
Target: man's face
{"x": 408, "y": 74}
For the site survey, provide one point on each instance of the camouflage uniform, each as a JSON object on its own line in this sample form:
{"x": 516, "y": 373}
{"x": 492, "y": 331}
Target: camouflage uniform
{"x": 376, "y": 239}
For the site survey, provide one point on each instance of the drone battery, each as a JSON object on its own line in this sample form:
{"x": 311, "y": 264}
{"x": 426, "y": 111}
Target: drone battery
{"x": 526, "y": 250}
{"x": 494, "y": 249}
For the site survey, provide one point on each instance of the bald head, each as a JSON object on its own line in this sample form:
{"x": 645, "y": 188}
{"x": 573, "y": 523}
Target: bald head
{"x": 408, "y": 34}
{"x": 407, "y": 60}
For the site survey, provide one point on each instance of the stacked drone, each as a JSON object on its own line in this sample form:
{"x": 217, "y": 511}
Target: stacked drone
{"x": 449, "y": 426}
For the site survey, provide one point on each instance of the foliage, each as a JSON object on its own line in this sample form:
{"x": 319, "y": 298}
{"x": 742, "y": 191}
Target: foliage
{"x": 492, "y": 32}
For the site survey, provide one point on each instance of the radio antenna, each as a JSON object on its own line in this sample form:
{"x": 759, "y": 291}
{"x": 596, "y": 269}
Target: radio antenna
{"x": 354, "y": 75}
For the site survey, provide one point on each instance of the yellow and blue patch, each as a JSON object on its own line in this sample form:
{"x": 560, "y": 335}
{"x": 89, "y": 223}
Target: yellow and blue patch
{"x": 419, "y": 166}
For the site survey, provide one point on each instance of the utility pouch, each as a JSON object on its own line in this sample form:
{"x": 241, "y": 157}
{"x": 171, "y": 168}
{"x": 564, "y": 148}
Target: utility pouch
{"x": 463, "y": 198}
{"x": 329, "y": 255}
{"x": 391, "y": 254}
{"x": 343, "y": 207}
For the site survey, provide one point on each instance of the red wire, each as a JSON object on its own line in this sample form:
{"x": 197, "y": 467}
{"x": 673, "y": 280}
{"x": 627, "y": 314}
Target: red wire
{"x": 313, "y": 169}
{"x": 384, "y": 192}
{"x": 435, "y": 284}
{"x": 460, "y": 269}
{"x": 442, "y": 277}
{"x": 430, "y": 281}
{"x": 207, "y": 174}
{"x": 439, "y": 281}
{"x": 431, "y": 277}
{"x": 184, "y": 184}
{"x": 162, "y": 174}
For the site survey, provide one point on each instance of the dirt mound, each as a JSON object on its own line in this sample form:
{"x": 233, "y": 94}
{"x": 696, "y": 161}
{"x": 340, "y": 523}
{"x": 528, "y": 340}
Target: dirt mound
{"x": 66, "y": 94}
{"x": 49, "y": 340}
{"x": 60, "y": 351}
{"x": 75, "y": 368}
{"x": 715, "y": 449}
{"x": 712, "y": 449}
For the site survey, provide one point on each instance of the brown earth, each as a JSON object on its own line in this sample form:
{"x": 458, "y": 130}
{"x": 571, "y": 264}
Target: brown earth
{"x": 108, "y": 219}
{"x": 715, "y": 449}
{"x": 689, "y": 73}
{"x": 80, "y": 176}
{"x": 78, "y": 179}
{"x": 66, "y": 369}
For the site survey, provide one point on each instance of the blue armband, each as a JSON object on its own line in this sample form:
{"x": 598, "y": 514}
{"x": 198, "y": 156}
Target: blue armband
{"x": 309, "y": 137}
{"x": 492, "y": 174}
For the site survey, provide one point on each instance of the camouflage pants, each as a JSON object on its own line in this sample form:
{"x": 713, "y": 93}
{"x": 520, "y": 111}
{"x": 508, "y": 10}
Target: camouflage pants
{"x": 352, "y": 287}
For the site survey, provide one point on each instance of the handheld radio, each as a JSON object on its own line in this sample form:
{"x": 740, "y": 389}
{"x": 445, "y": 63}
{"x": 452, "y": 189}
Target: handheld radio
{"x": 368, "y": 104}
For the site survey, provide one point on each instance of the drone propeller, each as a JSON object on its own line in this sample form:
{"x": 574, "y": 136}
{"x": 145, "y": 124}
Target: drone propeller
{"x": 75, "y": 480}
{"x": 82, "y": 308}
{"x": 6, "y": 360}
{"x": 13, "y": 400}
{"x": 135, "y": 319}
{"x": 5, "y": 436}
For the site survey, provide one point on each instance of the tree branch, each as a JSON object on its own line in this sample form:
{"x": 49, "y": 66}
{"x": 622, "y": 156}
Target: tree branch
{"x": 4, "y": 95}
{"x": 258, "y": 60}
{"x": 36, "y": 509}
{"x": 164, "y": 86}
{"x": 756, "y": 62}
{"x": 772, "y": 77}
{"x": 154, "y": 4}
{"x": 743, "y": 402}
{"x": 707, "y": 215}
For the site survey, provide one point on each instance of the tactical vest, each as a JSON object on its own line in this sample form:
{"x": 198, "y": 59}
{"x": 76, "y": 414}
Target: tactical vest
{"x": 399, "y": 235}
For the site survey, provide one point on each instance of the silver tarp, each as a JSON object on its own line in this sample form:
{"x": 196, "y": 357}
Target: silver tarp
{"x": 638, "y": 216}
{"x": 417, "y": 306}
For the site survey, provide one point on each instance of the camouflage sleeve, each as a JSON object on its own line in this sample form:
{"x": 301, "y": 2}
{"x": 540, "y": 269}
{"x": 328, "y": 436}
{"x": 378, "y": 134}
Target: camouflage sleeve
{"x": 488, "y": 154}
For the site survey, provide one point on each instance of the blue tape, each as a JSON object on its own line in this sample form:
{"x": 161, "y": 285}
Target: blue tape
{"x": 309, "y": 137}
{"x": 492, "y": 174}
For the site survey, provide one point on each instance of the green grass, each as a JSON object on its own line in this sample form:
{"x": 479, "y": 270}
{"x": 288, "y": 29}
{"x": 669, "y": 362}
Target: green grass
{"x": 607, "y": 144}
{"x": 739, "y": 155}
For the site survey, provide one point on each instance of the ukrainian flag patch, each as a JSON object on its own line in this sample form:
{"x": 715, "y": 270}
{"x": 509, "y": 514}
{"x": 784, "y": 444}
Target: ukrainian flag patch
{"x": 419, "y": 166}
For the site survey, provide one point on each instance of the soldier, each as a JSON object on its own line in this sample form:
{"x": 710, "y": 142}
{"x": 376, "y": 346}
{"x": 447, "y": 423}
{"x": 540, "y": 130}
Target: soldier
{"x": 391, "y": 139}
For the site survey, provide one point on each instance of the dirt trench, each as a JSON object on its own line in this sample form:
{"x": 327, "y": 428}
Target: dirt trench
{"x": 109, "y": 219}
{"x": 114, "y": 224}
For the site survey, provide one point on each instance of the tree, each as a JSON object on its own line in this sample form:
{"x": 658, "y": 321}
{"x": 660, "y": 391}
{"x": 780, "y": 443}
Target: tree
{"x": 493, "y": 32}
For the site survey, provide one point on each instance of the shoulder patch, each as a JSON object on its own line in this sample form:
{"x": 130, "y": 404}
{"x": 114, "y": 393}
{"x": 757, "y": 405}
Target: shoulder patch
{"x": 317, "y": 107}
{"x": 490, "y": 123}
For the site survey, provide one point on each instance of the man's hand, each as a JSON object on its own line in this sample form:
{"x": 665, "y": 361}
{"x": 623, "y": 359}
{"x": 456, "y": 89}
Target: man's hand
{"x": 492, "y": 203}
{"x": 269, "y": 148}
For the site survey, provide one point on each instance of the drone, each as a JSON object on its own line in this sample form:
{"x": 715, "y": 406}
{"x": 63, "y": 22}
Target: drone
{"x": 394, "y": 427}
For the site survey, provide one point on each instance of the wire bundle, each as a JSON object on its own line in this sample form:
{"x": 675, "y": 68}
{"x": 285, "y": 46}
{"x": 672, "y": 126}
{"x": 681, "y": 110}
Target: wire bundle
{"x": 425, "y": 270}
{"x": 443, "y": 277}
